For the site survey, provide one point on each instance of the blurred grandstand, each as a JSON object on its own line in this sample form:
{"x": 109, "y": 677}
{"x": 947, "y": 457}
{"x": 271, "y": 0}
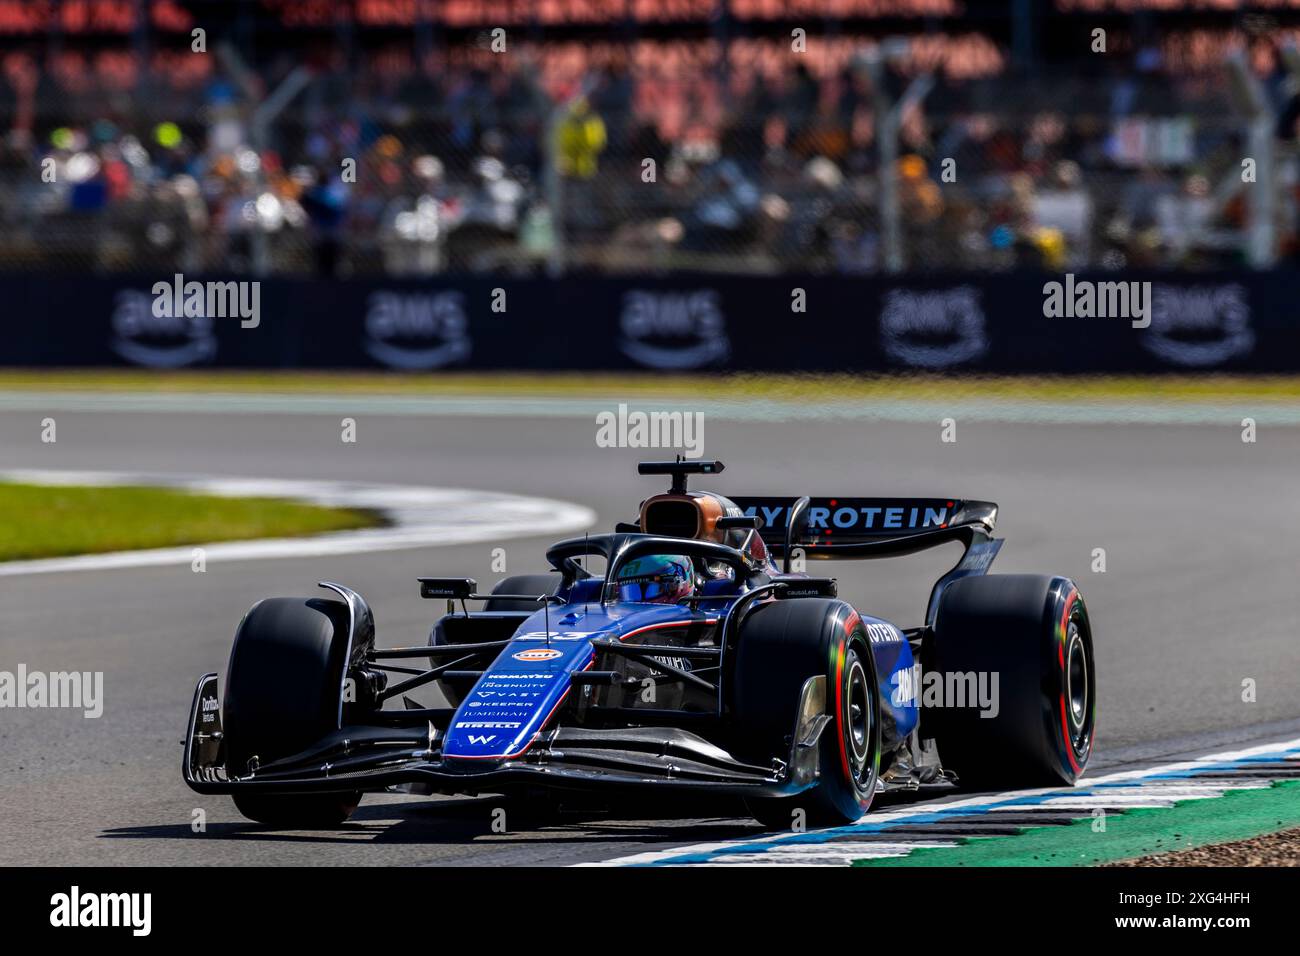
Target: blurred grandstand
{"x": 767, "y": 158}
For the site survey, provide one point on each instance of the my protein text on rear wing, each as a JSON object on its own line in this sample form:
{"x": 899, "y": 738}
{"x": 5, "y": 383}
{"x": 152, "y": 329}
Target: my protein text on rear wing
{"x": 825, "y": 522}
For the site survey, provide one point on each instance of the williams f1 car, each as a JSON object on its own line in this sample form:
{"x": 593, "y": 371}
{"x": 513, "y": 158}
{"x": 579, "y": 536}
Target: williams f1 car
{"x": 683, "y": 652}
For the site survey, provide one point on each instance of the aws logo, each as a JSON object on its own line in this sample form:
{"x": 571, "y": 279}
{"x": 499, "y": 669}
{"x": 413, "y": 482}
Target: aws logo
{"x": 673, "y": 328}
{"x": 417, "y": 330}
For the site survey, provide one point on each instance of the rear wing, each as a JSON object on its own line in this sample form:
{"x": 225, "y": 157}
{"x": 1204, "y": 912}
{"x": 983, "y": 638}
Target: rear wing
{"x": 877, "y": 528}
{"x": 836, "y": 526}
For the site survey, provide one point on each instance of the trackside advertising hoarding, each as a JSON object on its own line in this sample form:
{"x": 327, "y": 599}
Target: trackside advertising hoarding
{"x": 1005, "y": 323}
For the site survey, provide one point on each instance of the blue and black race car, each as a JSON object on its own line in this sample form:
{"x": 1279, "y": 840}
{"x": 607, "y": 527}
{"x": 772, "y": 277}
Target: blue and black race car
{"x": 686, "y": 651}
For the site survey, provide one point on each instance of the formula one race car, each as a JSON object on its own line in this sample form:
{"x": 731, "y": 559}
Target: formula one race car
{"x": 679, "y": 653}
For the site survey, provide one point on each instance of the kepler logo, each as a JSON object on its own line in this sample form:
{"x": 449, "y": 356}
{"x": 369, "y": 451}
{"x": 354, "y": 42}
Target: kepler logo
{"x": 933, "y": 329}
{"x": 1200, "y": 326}
{"x": 637, "y": 429}
{"x": 72, "y": 690}
{"x": 673, "y": 329}
{"x": 213, "y": 300}
{"x": 76, "y": 909}
{"x": 415, "y": 330}
{"x": 1083, "y": 299}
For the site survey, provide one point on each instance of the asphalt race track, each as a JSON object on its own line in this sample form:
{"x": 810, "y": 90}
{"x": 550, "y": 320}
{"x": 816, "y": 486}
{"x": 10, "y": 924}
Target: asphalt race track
{"x": 1199, "y": 594}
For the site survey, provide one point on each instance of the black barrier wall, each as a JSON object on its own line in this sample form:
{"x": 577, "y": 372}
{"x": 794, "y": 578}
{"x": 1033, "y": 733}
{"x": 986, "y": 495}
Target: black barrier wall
{"x": 994, "y": 323}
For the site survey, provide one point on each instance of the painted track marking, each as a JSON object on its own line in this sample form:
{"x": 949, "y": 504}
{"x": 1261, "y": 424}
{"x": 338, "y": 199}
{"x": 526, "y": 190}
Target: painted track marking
{"x": 420, "y": 517}
{"x": 1159, "y": 785}
{"x": 1278, "y": 413}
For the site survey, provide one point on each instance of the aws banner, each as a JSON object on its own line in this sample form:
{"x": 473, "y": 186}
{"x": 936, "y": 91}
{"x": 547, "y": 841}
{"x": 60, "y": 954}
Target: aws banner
{"x": 1006, "y": 323}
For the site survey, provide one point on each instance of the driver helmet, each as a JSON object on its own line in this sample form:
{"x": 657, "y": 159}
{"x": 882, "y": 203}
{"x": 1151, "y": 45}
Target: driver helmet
{"x": 655, "y": 579}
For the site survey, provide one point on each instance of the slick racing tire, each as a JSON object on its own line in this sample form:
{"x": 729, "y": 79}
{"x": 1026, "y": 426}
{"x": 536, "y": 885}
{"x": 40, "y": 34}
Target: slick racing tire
{"x": 1032, "y": 631}
{"x": 283, "y": 687}
{"x": 455, "y": 689}
{"x": 781, "y": 645}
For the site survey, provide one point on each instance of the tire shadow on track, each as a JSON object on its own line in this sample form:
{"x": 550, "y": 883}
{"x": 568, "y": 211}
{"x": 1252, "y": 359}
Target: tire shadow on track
{"x": 491, "y": 822}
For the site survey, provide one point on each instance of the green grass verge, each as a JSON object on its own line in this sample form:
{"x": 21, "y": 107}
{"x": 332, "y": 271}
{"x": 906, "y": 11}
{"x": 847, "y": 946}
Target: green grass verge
{"x": 1170, "y": 388}
{"x": 1237, "y": 815}
{"x": 44, "y": 521}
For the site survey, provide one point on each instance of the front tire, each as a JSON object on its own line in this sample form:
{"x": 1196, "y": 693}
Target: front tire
{"x": 1033, "y": 632}
{"x": 781, "y": 645}
{"x": 283, "y": 687}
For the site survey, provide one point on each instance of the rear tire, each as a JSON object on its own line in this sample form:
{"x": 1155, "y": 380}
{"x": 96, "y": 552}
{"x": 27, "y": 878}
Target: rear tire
{"x": 1033, "y": 632}
{"x": 282, "y": 695}
{"x": 781, "y": 645}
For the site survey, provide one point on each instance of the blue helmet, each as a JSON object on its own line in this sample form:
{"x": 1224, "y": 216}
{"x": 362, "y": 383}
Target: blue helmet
{"x": 655, "y": 579}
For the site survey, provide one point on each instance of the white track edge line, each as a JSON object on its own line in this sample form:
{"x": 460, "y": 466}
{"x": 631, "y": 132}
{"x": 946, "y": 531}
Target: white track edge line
{"x": 421, "y": 516}
{"x": 945, "y": 804}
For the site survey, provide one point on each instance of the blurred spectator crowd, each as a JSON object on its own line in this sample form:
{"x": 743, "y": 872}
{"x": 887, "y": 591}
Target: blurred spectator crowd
{"x": 637, "y": 159}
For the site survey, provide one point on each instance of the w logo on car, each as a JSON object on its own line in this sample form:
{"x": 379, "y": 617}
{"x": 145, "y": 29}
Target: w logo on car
{"x": 482, "y": 739}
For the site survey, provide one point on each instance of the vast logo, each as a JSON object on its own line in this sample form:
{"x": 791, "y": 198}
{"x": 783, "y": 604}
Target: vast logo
{"x": 673, "y": 329}
{"x": 537, "y": 654}
{"x": 417, "y": 330}
{"x": 1200, "y": 326}
{"x": 159, "y": 341}
{"x": 933, "y": 329}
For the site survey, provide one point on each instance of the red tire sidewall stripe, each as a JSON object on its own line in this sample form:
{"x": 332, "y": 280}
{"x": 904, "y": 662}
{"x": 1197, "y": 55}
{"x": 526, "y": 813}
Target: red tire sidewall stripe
{"x": 851, "y": 623}
{"x": 1070, "y": 600}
